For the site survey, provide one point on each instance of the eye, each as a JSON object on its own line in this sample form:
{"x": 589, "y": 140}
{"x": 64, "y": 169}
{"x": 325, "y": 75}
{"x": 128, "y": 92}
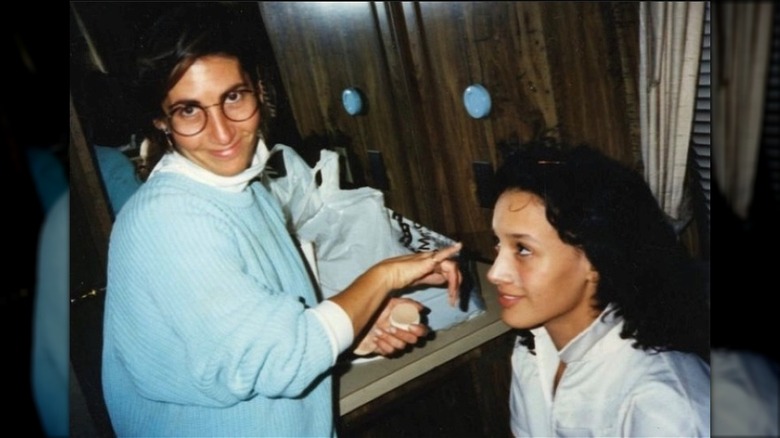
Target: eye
{"x": 496, "y": 244}
{"x": 522, "y": 250}
{"x": 235, "y": 96}
{"x": 186, "y": 111}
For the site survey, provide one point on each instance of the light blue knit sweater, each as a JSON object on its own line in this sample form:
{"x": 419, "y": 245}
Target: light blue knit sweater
{"x": 205, "y": 332}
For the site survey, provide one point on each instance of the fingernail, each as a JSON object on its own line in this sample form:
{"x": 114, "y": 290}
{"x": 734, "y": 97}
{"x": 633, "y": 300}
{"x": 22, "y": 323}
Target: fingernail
{"x": 378, "y": 332}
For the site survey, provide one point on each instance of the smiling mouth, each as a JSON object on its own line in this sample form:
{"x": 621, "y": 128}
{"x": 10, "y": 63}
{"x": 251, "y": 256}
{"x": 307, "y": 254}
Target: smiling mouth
{"x": 508, "y": 300}
{"x": 226, "y": 153}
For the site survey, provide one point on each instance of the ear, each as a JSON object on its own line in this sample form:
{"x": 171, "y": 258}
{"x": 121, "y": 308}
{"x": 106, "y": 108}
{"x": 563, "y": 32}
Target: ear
{"x": 592, "y": 276}
{"x": 161, "y": 125}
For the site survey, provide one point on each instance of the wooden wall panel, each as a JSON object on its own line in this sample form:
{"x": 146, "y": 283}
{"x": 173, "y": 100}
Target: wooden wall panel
{"x": 566, "y": 68}
{"x": 585, "y": 64}
{"x": 550, "y": 67}
{"x": 322, "y": 49}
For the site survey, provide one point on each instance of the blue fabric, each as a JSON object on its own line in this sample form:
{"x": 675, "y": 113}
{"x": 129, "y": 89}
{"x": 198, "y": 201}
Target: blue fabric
{"x": 118, "y": 175}
{"x": 50, "y": 335}
{"x": 48, "y": 176}
{"x": 206, "y": 330}
{"x": 50, "y": 340}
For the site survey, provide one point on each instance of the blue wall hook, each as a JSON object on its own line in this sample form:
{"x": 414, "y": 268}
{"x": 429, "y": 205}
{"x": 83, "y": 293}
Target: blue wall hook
{"x": 477, "y": 101}
{"x": 352, "y": 99}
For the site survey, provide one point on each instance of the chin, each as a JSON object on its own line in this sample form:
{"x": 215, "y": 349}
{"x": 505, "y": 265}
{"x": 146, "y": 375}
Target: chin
{"x": 234, "y": 168}
{"x": 228, "y": 172}
{"x": 517, "y": 321}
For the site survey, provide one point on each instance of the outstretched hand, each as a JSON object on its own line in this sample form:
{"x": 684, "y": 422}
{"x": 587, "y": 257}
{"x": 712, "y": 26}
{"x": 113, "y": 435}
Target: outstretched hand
{"x": 431, "y": 268}
{"x": 367, "y": 293}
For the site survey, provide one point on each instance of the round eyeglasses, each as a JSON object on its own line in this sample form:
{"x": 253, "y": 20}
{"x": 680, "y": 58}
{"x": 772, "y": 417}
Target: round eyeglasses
{"x": 189, "y": 119}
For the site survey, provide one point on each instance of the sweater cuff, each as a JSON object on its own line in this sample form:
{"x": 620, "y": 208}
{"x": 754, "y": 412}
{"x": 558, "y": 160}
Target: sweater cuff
{"x": 338, "y": 326}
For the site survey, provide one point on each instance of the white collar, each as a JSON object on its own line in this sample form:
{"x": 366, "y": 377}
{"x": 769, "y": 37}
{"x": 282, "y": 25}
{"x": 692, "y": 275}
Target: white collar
{"x": 177, "y": 163}
{"x": 580, "y": 345}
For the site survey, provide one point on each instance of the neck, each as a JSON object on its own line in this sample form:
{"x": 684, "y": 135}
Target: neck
{"x": 565, "y": 328}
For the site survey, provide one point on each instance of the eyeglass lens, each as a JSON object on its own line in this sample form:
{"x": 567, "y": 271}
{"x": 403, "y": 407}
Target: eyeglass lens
{"x": 191, "y": 119}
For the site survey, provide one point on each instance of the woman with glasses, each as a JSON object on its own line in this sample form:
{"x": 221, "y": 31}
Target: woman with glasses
{"x": 212, "y": 326}
{"x": 612, "y": 314}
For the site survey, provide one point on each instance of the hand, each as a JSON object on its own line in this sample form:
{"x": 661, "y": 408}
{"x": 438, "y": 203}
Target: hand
{"x": 432, "y": 268}
{"x": 369, "y": 291}
{"x": 386, "y": 340}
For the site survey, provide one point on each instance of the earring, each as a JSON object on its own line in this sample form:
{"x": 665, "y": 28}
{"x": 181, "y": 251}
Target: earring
{"x": 168, "y": 137}
{"x": 262, "y": 93}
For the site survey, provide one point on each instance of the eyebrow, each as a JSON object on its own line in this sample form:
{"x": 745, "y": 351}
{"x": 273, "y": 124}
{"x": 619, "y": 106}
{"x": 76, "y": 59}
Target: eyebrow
{"x": 525, "y": 239}
{"x": 185, "y": 102}
{"x": 517, "y": 236}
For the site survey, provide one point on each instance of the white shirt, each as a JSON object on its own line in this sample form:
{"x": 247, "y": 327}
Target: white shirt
{"x": 745, "y": 394}
{"x": 608, "y": 388}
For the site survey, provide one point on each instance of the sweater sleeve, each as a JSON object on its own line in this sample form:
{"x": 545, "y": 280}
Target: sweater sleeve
{"x": 193, "y": 323}
{"x": 337, "y": 324}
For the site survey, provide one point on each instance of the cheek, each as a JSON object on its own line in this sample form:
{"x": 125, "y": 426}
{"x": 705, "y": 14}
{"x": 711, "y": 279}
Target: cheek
{"x": 186, "y": 144}
{"x": 251, "y": 125}
{"x": 535, "y": 284}
{"x": 544, "y": 285}
{"x": 560, "y": 288}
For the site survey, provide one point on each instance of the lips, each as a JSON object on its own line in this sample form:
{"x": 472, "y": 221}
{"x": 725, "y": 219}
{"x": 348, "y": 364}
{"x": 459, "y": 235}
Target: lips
{"x": 226, "y": 153}
{"x": 508, "y": 300}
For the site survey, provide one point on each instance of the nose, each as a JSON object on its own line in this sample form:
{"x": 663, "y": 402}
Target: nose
{"x": 502, "y": 271}
{"x": 221, "y": 128}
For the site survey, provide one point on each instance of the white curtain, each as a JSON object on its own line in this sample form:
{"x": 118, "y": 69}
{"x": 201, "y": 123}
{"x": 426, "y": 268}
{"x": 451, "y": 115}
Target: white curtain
{"x": 743, "y": 33}
{"x": 670, "y": 50}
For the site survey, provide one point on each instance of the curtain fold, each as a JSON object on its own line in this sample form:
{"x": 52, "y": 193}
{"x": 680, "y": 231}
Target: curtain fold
{"x": 743, "y": 36}
{"x": 670, "y": 44}
{"x": 94, "y": 56}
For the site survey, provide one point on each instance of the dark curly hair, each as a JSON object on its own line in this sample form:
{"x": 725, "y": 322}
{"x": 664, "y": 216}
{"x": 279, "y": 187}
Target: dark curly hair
{"x": 608, "y": 211}
{"x": 174, "y": 42}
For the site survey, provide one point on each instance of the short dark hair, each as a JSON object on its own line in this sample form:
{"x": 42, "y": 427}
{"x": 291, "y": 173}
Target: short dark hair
{"x": 181, "y": 36}
{"x": 607, "y": 210}
{"x": 175, "y": 41}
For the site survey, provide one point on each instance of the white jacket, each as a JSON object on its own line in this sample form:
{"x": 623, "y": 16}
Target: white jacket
{"x": 609, "y": 388}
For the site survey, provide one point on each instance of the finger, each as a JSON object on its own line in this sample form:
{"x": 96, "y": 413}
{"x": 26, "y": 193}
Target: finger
{"x": 366, "y": 347}
{"x": 382, "y": 342}
{"x": 419, "y": 331}
{"x": 453, "y": 277}
{"x": 385, "y": 349}
{"x": 399, "y": 338}
{"x": 410, "y": 335}
{"x": 456, "y": 290}
{"x": 446, "y": 253}
{"x": 389, "y": 343}
{"x": 452, "y": 291}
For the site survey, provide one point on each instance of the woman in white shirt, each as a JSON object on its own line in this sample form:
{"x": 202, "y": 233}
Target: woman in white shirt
{"x": 614, "y": 325}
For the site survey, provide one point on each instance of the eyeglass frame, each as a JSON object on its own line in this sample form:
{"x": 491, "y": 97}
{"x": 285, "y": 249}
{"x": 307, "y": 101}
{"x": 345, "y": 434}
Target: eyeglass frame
{"x": 221, "y": 104}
